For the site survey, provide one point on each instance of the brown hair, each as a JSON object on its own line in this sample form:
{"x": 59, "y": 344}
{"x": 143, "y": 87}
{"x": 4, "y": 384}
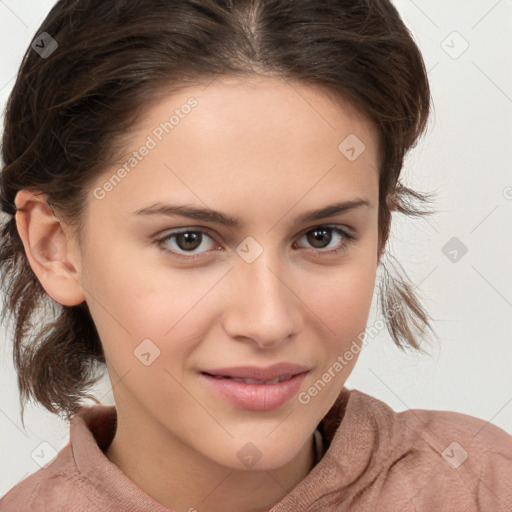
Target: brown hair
{"x": 67, "y": 115}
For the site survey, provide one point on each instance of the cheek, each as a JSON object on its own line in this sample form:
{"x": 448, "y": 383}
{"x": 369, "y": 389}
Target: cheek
{"x": 131, "y": 301}
{"x": 342, "y": 298}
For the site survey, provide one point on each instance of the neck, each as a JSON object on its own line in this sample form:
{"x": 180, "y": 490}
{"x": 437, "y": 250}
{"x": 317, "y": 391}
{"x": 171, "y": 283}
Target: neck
{"x": 181, "y": 479}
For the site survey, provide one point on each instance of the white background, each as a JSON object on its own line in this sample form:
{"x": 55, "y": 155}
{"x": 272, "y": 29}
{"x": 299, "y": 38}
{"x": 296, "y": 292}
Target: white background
{"x": 465, "y": 158}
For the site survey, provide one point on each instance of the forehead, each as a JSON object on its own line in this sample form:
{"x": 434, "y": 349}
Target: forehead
{"x": 256, "y": 142}
{"x": 263, "y": 107}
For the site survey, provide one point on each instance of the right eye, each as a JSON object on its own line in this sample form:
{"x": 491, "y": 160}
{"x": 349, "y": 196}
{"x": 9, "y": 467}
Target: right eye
{"x": 185, "y": 240}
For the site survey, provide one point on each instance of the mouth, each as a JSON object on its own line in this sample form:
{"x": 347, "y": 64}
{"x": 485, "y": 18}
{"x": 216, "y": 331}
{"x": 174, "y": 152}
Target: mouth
{"x": 281, "y": 378}
{"x": 256, "y": 389}
{"x": 258, "y": 375}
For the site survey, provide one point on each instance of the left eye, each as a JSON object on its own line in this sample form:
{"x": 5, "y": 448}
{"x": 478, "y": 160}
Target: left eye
{"x": 324, "y": 234}
{"x": 186, "y": 241}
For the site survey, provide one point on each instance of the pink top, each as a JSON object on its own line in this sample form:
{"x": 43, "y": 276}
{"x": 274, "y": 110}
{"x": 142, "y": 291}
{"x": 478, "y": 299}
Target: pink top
{"x": 375, "y": 460}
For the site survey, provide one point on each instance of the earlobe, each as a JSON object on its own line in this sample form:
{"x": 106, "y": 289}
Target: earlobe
{"x": 48, "y": 248}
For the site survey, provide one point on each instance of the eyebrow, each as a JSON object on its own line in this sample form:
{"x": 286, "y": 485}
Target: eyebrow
{"x": 208, "y": 215}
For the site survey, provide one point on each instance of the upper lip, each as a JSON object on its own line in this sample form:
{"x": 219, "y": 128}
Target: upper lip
{"x": 259, "y": 373}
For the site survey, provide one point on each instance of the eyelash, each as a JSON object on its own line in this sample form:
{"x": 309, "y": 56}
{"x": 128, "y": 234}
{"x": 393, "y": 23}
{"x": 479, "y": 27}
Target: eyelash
{"x": 348, "y": 239}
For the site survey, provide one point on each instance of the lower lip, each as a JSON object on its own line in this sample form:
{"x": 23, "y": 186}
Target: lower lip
{"x": 256, "y": 397}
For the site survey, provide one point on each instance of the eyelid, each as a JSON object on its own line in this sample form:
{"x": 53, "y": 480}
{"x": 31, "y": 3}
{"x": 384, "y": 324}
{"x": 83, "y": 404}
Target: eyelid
{"x": 348, "y": 237}
{"x": 168, "y": 234}
{"x": 348, "y": 234}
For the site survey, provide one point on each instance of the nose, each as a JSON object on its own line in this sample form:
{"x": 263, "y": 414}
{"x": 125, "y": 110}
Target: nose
{"x": 263, "y": 307}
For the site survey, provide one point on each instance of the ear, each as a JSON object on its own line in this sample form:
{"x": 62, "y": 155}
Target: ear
{"x": 49, "y": 248}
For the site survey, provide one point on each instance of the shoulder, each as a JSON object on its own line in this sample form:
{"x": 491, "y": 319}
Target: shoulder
{"x": 455, "y": 455}
{"x": 57, "y": 486}
{"x": 435, "y": 460}
{"x": 431, "y": 430}
{"x": 480, "y": 439}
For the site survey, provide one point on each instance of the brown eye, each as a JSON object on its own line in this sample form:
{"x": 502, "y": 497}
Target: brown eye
{"x": 183, "y": 244}
{"x": 318, "y": 237}
{"x": 322, "y": 236}
{"x": 189, "y": 240}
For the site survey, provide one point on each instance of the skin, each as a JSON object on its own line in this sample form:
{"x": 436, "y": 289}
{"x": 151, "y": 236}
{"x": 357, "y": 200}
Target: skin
{"x": 264, "y": 151}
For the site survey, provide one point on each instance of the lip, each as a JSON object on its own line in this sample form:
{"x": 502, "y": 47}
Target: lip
{"x": 258, "y": 373}
{"x": 256, "y": 397}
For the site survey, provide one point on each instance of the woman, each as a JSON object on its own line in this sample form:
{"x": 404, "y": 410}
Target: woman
{"x": 202, "y": 190}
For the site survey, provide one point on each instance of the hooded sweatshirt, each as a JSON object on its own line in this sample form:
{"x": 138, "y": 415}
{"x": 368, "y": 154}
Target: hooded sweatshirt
{"x": 372, "y": 459}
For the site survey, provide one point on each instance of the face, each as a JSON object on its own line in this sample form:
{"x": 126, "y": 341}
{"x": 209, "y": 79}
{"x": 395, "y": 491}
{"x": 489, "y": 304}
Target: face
{"x": 173, "y": 296}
